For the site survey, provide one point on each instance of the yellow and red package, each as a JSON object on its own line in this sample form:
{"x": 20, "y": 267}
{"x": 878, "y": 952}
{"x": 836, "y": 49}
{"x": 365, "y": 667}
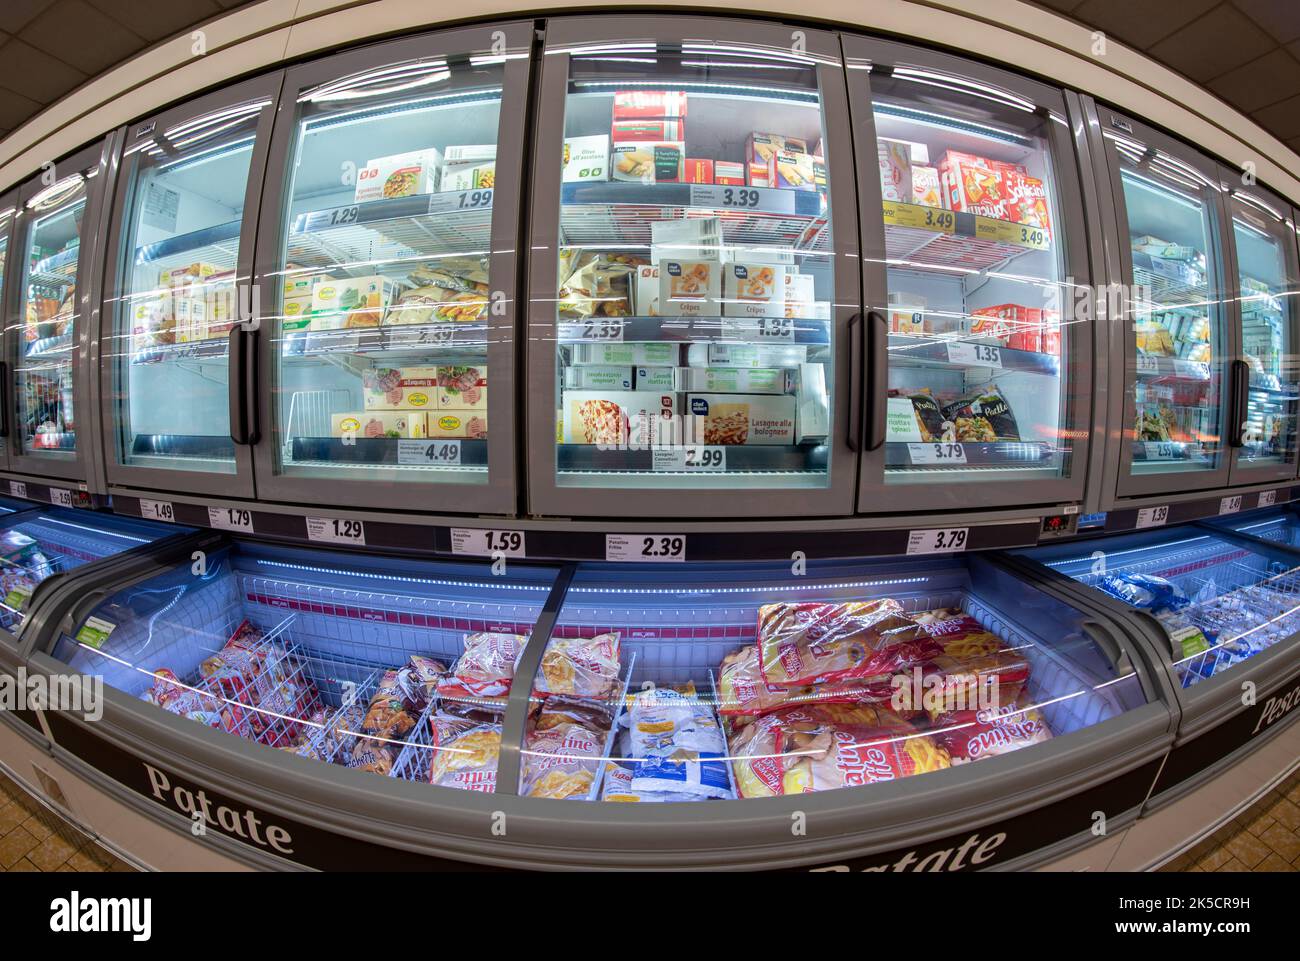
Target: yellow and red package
{"x": 483, "y": 672}
{"x": 824, "y": 747}
{"x": 972, "y": 735}
{"x": 818, "y": 643}
{"x": 561, "y": 762}
{"x": 742, "y": 692}
{"x": 464, "y": 754}
{"x": 583, "y": 666}
{"x": 242, "y": 659}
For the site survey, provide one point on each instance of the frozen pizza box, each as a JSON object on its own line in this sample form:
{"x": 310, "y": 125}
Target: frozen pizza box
{"x": 617, "y": 418}
{"x": 465, "y": 424}
{"x": 732, "y": 380}
{"x": 601, "y": 377}
{"x": 742, "y": 419}
{"x": 651, "y": 354}
{"x": 379, "y": 423}
{"x": 746, "y": 355}
{"x": 399, "y": 175}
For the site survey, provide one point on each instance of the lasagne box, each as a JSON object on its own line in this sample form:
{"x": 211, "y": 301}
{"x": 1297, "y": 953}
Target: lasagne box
{"x": 648, "y": 162}
{"x": 333, "y": 302}
{"x": 645, "y": 291}
{"x": 400, "y": 388}
{"x": 732, "y": 380}
{"x": 729, "y": 173}
{"x": 466, "y": 424}
{"x": 651, "y": 354}
{"x": 469, "y": 176}
{"x": 649, "y": 104}
{"x": 753, "y": 290}
{"x": 399, "y": 175}
{"x": 462, "y": 387}
{"x": 800, "y": 291}
{"x": 618, "y": 418}
{"x": 740, "y": 419}
{"x": 690, "y": 288}
{"x": 601, "y": 377}
{"x": 586, "y": 158}
{"x": 470, "y": 153}
{"x": 658, "y": 129}
{"x": 746, "y": 355}
{"x": 379, "y": 423}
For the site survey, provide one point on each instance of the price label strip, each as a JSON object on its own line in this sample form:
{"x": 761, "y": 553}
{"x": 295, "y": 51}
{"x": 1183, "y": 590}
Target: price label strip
{"x": 231, "y": 519}
{"x": 61, "y": 496}
{"x": 1230, "y": 505}
{"x": 433, "y": 335}
{"x": 761, "y": 199}
{"x": 936, "y": 453}
{"x": 158, "y": 511}
{"x": 1147, "y": 364}
{"x": 1153, "y": 517}
{"x": 18, "y": 489}
{"x": 765, "y": 329}
{"x": 487, "y": 542}
{"x": 336, "y": 530}
{"x": 945, "y": 540}
{"x": 432, "y": 453}
{"x": 645, "y": 548}
{"x": 921, "y": 217}
{"x": 600, "y": 330}
{"x": 458, "y": 200}
{"x": 1004, "y": 231}
{"x": 974, "y": 355}
{"x": 689, "y": 459}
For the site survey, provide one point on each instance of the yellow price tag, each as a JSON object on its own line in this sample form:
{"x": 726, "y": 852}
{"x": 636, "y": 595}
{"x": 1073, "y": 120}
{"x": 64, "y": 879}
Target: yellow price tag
{"x": 1004, "y": 231}
{"x": 924, "y": 218}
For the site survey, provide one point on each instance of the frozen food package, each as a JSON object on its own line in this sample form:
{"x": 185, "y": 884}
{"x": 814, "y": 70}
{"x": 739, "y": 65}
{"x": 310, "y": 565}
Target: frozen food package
{"x": 929, "y": 418}
{"x": 818, "y": 643}
{"x": 603, "y": 377}
{"x": 973, "y": 735}
{"x": 1146, "y": 591}
{"x": 391, "y": 715}
{"x": 743, "y": 693}
{"x": 399, "y": 388}
{"x": 649, "y": 104}
{"x": 168, "y": 693}
{"x": 464, "y": 753}
{"x": 824, "y": 747}
{"x": 649, "y": 162}
{"x": 586, "y": 158}
{"x": 615, "y": 418}
{"x": 790, "y": 170}
{"x": 481, "y": 176}
{"x": 957, "y": 682}
{"x": 982, "y": 416}
{"x": 729, "y": 173}
{"x": 926, "y": 190}
{"x": 895, "y": 159}
{"x": 598, "y": 284}
{"x": 584, "y": 666}
{"x": 753, "y": 290}
{"x": 399, "y": 175}
{"x": 690, "y": 288}
{"x": 462, "y": 387}
{"x": 561, "y": 709}
{"x": 485, "y": 668}
{"x": 754, "y": 419}
{"x": 561, "y": 762}
{"x": 373, "y": 756}
{"x": 379, "y": 423}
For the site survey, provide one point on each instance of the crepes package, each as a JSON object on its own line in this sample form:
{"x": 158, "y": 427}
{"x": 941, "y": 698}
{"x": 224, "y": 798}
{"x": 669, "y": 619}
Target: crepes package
{"x": 582, "y": 666}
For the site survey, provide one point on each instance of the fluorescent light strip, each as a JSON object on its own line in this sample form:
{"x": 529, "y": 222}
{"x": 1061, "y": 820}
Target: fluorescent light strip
{"x": 931, "y": 119}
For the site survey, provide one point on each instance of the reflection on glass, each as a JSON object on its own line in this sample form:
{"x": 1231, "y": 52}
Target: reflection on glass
{"x": 384, "y": 312}
{"x": 180, "y": 291}
{"x": 1176, "y": 315}
{"x": 696, "y": 277}
{"x": 396, "y": 669}
{"x": 975, "y": 255}
{"x": 1265, "y": 245}
{"x": 45, "y": 331}
{"x": 741, "y": 684}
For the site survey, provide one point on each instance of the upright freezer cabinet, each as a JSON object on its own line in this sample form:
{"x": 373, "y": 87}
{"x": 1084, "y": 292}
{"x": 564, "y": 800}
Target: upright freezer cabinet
{"x": 1220, "y": 615}
{"x": 365, "y": 711}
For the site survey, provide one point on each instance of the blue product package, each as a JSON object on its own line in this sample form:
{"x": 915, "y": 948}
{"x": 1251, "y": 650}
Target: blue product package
{"x": 1144, "y": 591}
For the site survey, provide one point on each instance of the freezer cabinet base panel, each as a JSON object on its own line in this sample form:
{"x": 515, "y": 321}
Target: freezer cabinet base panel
{"x": 1161, "y": 836}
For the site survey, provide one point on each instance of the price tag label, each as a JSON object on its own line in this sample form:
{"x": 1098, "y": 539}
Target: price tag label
{"x": 18, "y": 488}
{"x": 1161, "y": 450}
{"x": 336, "y": 530}
{"x": 936, "y": 453}
{"x": 231, "y": 519}
{"x": 1153, "y": 517}
{"x": 656, "y": 548}
{"x": 742, "y": 198}
{"x": 1229, "y": 505}
{"x": 435, "y": 453}
{"x": 1191, "y": 369}
{"x": 975, "y": 355}
{"x": 453, "y": 200}
{"x": 1267, "y": 498}
{"x": 338, "y": 217}
{"x": 1147, "y": 364}
{"x": 1004, "y": 231}
{"x": 916, "y": 215}
{"x": 689, "y": 458}
{"x": 486, "y": 542}
{"x": 158, "y": 511}
{"x": 765, "y": 329}
{"x": 434, "y": 335}
{"x": 602, "y": 330}
{"x": 61, "y": 496}
{"x": 946, "y": 540}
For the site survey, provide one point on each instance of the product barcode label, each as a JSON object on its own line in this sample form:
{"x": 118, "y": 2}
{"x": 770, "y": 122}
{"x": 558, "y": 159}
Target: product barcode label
{"x": 1267, "y": 498}
{"x": 645, "y": 547}
{"x": 231, "y": 519}
{"x": 946, "y": 540}
{"x": 976, "y": 355}
{"x": 18, "y": 488}
{"x": 936, "y": 453}
{"x": 1230, "y": 505}
{"x": 1152, "y": 516}
{"x": 485, "y": 542}
{"x": 689, "y": 458}
{"x": 336, "y": 530}
{"x": 158, "y": 511}
{"x": 439, "y": 453}
{"x": 61, "y": 496}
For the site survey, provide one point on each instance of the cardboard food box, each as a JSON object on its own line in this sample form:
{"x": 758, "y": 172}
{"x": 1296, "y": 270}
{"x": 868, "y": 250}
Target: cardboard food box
{"x": 656, "y": 378}
{"x": 746, "y": 355}
{"x": 648, "y": 104}
{"x": 350, "y": 301}
{"x": 926, "y": 188}
{"x": 379, "y": 423}
{"x": 789, "y": 170}
{"x": 300, "y": 285}
{"x": 698, "y": 171}
{"x": 602, "y": 377}
{"x": 907, "y": 314}
{"x": 895, "y": 159}
{"x": 147, "y": 323}
{"x": 753, "y": 290}
{"x": 469, "y": 153}
{"x": 465, "y": 424}
{"x": 760, "y": 147}
{"x": 645, "y": 291}
{"x": 990, "y": 325}
{"x": 611, "y": 418}
{"x": 742, "y": 419}
{"x": 756, "y": 174}
{"x": 469, "y": 177}
{"x": 732, "y": 380}
{"x": 399, "y": 175}
{"x": 1026, "y": 198}
{"x": 800, "y": 292}
{"x": 627, "y": 131}
{"x": 690, "y": 288}
{"x": 651, "y": 354}
{"x": 813, "y": 422}
{"x": 188, "y": 274}
{"x": 698, "y": 238}
{"x": 462, "y": 387}
{"x": 586, "y": 158}
{"x": 191, "y": 319}
{"x": 400, "y": 388}
{"x": 296, "y": 314}
{"x": 729, "y": 173}
{"x": 648, "y": 162}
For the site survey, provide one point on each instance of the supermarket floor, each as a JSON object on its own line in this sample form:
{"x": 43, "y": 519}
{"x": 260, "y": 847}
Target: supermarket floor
{"x": 33, "y": 839}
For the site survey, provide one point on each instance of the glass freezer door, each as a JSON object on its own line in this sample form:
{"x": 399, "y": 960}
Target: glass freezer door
{"x": 8, "y": 212}
{"x": 1266, "y": 375}
{"x": 387, "y": 271}
{"x": 690, "y": 316}
{"x": 1177, "y": 336}
{"x": 188, "y": 185}
{"x": 979, "y": 349}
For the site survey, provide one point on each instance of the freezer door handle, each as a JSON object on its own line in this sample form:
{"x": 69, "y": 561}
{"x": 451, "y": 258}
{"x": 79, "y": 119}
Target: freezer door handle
{"x": 854, "y": 439}
{"x": 878, "y": 379}
{"x": 243, "y": 385}
{"x": 4, "y": 399}
{"x": 1100, "y": 635}
{"x": 1240, "y": 403}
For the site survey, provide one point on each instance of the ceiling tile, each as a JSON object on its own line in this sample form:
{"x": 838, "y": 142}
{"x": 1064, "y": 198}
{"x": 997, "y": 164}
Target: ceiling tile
{"x": 1281, "y": 18}
{"x": 1214, "y": 44}
{"x": 1140, "y": 24}
{"x": 1282, "y": 119}
{"x": 34, "y": 74}
{"x": 157, "y": 19}
{"x": 16, "y": 14}
{"x": 15, "y": 108}
{"x": 1268, "y": 79}
{"x": 77, "y": 33}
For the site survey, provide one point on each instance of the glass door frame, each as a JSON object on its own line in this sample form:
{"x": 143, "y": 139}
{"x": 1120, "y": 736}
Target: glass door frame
{"x": 499, "y": 494}
{"x": 239, "y": 484}
{"x": 1128, "y": 484}
{"x": 1067, "y": 142}
{"x": 9, "y": 211}
{"x": 545, "y": 494}
{"x": 1267, "y": 203}
{"x": 93, "y": 163}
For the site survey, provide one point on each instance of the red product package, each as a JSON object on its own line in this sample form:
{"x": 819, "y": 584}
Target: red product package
{"x": 819, "y": 643}
{"x": 649, "y": 104}
{"x": 653, "y": 130}
{"x": 1026, "y": 198}
{"x": 972, "y": 735}
{"x": 485, "y": 669}
{"x": 742, "y": 692}
{"x": 697, "y": 171}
